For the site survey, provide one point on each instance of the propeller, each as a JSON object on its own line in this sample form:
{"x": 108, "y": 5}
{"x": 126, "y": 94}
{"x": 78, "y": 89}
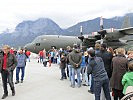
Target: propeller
{"x": 81, "y": 37}
{"x": 102, "y": 32}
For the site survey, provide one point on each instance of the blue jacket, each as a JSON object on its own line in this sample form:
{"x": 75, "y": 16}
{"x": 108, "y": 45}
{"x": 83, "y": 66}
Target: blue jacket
{"x": 83, "y": 62}
{"x": 21, "y": 59}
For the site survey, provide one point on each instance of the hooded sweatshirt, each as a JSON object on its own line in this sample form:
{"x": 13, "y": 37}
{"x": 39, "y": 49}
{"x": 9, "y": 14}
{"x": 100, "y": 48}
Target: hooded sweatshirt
{"x": 127, "y": 81}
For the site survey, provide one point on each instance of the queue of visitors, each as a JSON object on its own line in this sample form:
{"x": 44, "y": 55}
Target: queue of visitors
{"x": 105, "y": 72}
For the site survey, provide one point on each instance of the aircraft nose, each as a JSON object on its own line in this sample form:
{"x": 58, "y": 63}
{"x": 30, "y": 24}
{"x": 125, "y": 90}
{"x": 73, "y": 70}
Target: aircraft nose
{"x": 28, "y": 46}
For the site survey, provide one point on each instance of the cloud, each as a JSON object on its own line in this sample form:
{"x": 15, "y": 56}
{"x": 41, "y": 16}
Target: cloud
{"x": 63, "y": 12}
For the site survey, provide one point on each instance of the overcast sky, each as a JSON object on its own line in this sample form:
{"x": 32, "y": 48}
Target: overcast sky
{"x": 64, "y": 12}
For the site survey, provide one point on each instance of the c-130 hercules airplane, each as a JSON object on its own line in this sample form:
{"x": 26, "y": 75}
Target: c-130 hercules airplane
{"x": 49, "y": 41}
{"x": 110, "y": 36}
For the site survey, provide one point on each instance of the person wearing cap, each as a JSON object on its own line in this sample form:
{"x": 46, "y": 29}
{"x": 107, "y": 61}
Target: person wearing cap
{"x": 75, "y": 59}
{"x": 8, "y": 63}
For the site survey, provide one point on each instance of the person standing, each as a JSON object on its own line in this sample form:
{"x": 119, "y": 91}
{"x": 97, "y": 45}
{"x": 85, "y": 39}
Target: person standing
{"x": 83, "y": 70}
{"x": 90, "y": 76}
{"x": 62, "y": 67}
{"x": 21, "y": 58}
{"x": 119, "y": 66}
{"x": 107, "y": 59}
{"x": 28, "y": 55}
{"x": 75, "y": 58}
{"x": 69, "y": 67}
{"x": 8, "y": 63}
{"x": 101, "y": 80}
{"x": 41, "y": 56}
{"x": 127, "y": 79}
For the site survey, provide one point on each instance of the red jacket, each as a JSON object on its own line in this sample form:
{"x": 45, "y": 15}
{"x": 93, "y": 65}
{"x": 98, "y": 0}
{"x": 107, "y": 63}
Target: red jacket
{"x": 28, "y": 53}
{"x": 11, "y": 51}
{"x": 41, "y": 53}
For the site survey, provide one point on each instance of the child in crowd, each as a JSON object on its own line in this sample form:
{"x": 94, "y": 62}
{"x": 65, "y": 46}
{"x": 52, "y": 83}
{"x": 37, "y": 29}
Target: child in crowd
{"x": 84, "y": 70}
{"x": 63, "y": 66}
{"x": 128, "y": 77}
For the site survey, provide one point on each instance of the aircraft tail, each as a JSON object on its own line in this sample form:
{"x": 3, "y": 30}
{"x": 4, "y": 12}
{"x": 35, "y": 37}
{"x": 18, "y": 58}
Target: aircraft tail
{"x": 126, "y": 22}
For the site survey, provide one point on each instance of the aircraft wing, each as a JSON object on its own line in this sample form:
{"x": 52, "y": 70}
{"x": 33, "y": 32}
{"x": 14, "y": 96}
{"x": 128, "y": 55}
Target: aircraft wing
{"x": 128, "y": 31}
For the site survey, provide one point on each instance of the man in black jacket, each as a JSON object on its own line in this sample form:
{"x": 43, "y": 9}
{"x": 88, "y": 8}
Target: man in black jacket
{"x": 107, "y": 59}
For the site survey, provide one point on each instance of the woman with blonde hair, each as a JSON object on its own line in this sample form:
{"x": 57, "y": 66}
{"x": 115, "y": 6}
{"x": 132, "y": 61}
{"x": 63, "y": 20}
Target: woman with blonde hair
{"x": 130, "y": 55}
{"x": 111, "y": 51}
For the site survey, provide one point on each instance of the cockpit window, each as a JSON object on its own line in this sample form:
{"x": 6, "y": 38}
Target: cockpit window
{"x": 37, "y": 44}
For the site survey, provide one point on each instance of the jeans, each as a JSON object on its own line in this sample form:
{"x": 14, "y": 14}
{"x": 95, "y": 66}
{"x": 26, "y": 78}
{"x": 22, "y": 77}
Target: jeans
{"x": 41, "y": 59}
{"x": 17, "y": 73}
{"x": 102, "y": 95}
{"x": 7, "y": 76}
{"x": 70, "y": 71}
{"x": 97, "y": 88}
{"x": 83, "y": 72}
{"x": 63, "y": 73}
{"x": 91, "y": 83}
{"x": 55, "y": 60}
{"x": 84, "y": 75}
{"x": 76, "y": 71}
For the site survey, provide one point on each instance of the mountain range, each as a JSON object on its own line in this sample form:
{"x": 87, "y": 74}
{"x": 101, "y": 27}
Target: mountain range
{"x": 27, "y": 31}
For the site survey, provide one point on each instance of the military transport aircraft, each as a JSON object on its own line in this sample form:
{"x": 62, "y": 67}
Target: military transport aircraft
{"x": 49, "y": 41}
{"x": 113, "y": 38}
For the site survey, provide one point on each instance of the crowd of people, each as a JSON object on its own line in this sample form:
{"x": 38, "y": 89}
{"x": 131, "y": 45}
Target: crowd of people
{"x": 105, "y": 70}
{"x": 101, "y": 68}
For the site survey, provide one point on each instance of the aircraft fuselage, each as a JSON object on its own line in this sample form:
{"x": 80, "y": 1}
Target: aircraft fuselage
{"x": 48, "y": 41}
